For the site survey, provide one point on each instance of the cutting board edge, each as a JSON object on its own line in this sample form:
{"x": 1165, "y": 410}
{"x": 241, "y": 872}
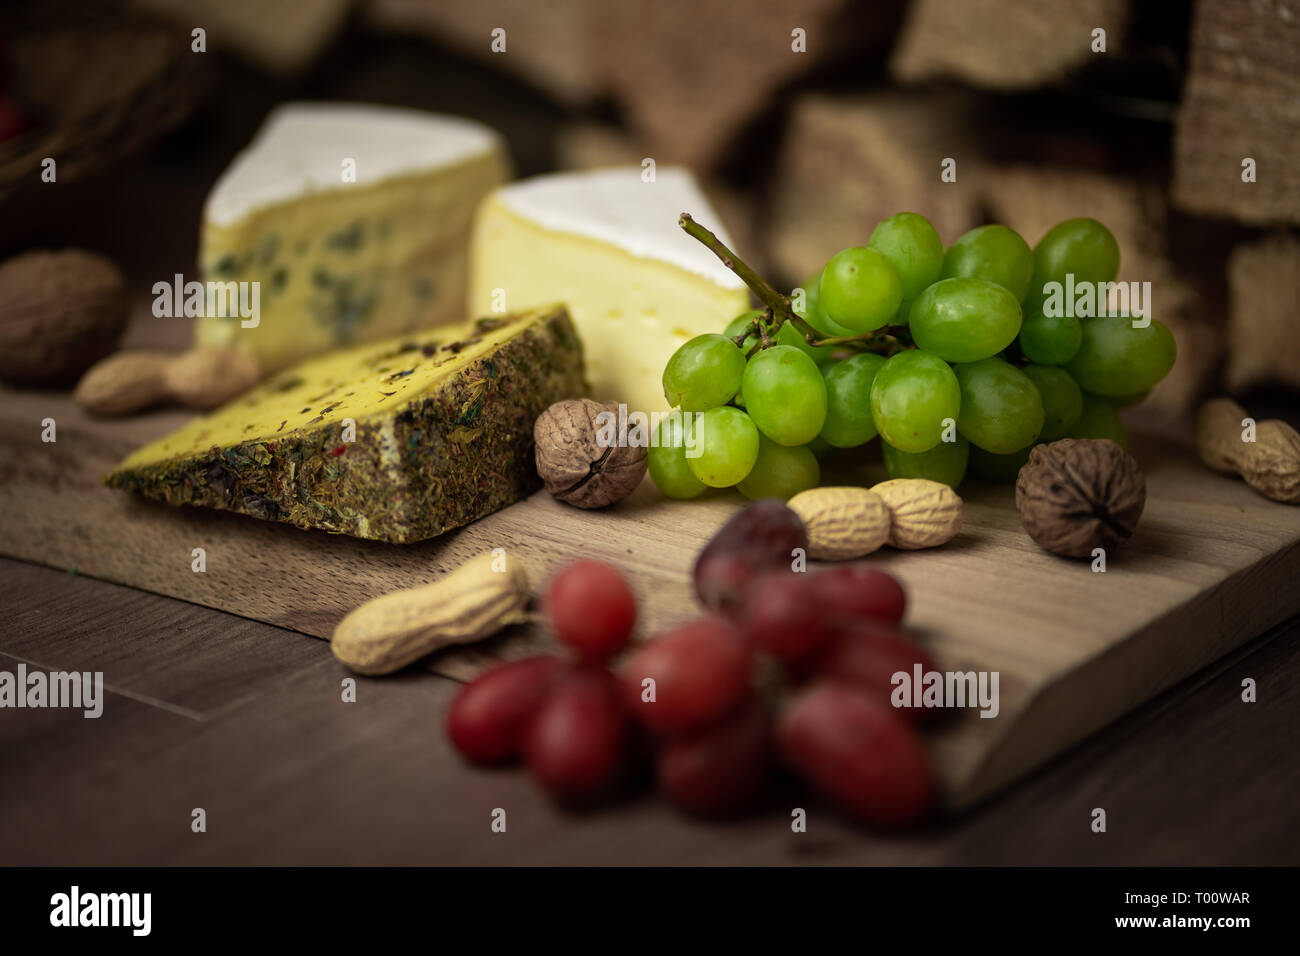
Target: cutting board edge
{"x": 987, "y": 777}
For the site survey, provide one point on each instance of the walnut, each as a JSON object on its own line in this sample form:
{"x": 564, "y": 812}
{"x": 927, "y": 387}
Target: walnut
{"x": 1075, "y": 495}
{"x": 60, "y": 312}
{"x": 576, "y": 460}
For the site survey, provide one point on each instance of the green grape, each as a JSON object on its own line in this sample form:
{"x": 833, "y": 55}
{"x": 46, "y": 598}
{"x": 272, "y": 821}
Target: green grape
{"x": 703, "y": 373}
{"x": 820, "y": 446}
{"x": 965, "y": 320}
{"x": 1049, "y": 339}
{"x": 725, "y": 445}
{"x": 913, "y": 395}
{"x": 998, "y": 468}
{"x": 1099, "y": 419}
{"x": 787, "y": 335}
{"x": 904, "y": 312}
{"x": 781, "y": 471}
{"x": 994, "y": 253}
{"x": 860, "y": 289}
{"x": 910, "y": 243}
{"x": 1083, "y": 248}
{"x": 785, "y": 395}
{"x": 815, "y": 315}
{"x": 1001, "y": 410}
{"x": 1116, "y": 359}
{"x": 945, "y": 462}
{"x": 666, "y": 458}
{"x": 848, "y": 400}
{"x": 1062, "y": 400}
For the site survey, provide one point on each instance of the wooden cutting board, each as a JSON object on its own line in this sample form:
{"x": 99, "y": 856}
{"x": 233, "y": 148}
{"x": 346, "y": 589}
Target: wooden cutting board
{"x": 1211, "y": 566}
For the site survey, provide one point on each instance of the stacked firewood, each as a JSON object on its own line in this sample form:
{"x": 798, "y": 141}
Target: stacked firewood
{"x": 809, "y": 120}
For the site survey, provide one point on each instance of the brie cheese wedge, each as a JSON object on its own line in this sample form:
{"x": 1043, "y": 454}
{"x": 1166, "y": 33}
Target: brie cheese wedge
{"x": 607, "y": 244}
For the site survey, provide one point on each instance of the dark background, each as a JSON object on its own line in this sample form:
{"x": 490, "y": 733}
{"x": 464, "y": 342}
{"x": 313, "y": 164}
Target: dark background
{"x": 142, "y": 126}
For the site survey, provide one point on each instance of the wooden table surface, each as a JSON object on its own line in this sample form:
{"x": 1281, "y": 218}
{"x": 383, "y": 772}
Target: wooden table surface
{"x": 244, "y": 719}
{"x": 206, "y": 709}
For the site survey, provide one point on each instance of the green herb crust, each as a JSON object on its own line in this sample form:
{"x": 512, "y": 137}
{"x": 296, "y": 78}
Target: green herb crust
{"x": 442, "y": 455}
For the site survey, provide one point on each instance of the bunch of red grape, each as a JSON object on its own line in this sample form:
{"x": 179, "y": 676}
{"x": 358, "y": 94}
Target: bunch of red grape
{"x": 714, "y": 739}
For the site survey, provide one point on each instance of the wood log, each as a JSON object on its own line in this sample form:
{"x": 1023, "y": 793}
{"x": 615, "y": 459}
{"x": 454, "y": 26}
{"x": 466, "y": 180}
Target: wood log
{"x": 692, "y": 74}
{"x": 1003, "y": 44}
{"x": 1241, "y": 100}
{"x": 282, "y": 38}
{"x": 1264, "y": 312}
{"x": 1033, "y": 199}
{"x": 593, "y": 145}
{"x": 845, "y": 164}
{"x": 548, "y": 44}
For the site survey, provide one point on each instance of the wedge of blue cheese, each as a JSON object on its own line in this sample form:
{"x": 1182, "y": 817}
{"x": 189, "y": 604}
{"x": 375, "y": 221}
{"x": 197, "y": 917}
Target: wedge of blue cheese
{"x": 354, "y": 220}
{"x": 398, "y": 441}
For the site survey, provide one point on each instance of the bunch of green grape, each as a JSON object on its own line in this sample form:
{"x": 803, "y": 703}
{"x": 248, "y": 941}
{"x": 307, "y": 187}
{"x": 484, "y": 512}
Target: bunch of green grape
{"x": 951, "y": 359}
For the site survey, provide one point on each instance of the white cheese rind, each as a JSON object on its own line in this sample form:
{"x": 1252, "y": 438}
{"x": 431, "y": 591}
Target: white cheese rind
{"x": 617, "y": 206}
{"x": 301, "y": 147}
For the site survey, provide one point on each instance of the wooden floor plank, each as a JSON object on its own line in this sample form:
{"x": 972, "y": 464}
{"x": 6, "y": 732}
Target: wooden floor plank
{"x": 80, "y": 791}
{"x": 288, "y": 773}
{"x": 151, "y": 648}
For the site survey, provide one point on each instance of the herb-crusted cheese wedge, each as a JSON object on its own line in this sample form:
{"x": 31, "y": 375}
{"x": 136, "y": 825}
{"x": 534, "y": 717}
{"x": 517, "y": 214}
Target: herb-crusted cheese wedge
{"x": 443, "y": 433}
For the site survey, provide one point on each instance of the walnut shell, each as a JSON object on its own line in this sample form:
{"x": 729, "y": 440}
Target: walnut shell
{"x": 1075, "y": 495}
{"x": 577, "y": 465}
{"x": 60, "y": 312}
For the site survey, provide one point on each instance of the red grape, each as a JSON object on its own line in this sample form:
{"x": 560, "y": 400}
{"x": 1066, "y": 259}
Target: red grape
{"x": 860, "y": 755}
{"x": 760, "y": 537}
{"x": 701, "y": 670}
{"x": 719, "y": 769}
{"x": 867, "y": 653}
{"x": 592, "y": 608}
{"x": 575, "y": 743}
{"x": 487, "y": 719}
{"x": 851, "y": 590}
{"x": 783, "y": 615}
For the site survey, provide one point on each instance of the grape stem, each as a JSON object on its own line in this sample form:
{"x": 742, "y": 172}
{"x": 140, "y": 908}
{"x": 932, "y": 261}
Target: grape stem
{"x": 746, "y": 332}
{"x": 778, "y": 309}
{"x": 773, "y": 300}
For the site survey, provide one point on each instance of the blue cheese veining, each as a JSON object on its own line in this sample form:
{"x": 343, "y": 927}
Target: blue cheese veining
{"x": 355, "y": 221}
